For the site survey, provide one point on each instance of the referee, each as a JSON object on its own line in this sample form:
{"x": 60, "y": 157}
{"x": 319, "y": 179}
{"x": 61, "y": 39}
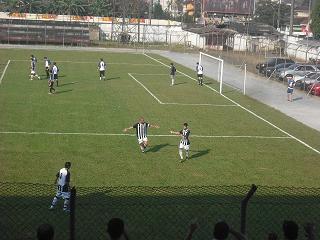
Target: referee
{"x": 142, "y": 132}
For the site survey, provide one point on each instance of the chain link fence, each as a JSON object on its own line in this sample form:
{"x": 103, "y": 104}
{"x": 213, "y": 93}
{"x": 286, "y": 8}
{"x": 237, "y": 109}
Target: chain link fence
{"x": 154, "y": 212}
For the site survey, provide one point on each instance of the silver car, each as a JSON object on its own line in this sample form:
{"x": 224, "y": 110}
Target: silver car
{"x": 299, "y": 71}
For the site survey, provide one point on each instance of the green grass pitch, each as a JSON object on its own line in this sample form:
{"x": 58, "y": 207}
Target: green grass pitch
{"x": 83, "y": 104}
{"x": 83, "y": 123}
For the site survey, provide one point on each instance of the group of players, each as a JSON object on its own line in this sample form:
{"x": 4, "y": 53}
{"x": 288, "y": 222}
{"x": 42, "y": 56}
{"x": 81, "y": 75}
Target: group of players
{"x": 51, "y": 70}
{"x": 141, "y": 127}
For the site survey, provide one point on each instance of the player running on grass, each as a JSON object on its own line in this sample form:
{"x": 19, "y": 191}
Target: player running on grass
{"x": 184, "y": 142}
{"x": 142, "y": 132}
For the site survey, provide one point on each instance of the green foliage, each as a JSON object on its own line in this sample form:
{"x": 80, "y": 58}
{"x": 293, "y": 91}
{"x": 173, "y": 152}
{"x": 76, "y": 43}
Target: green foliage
{"x": 315, "y": 18}
{"x": 267, "y": 12}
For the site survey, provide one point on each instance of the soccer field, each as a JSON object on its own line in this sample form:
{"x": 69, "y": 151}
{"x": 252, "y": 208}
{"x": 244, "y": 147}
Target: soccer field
{"x": 238, "y": 141}
{"x": 235, "y": 140}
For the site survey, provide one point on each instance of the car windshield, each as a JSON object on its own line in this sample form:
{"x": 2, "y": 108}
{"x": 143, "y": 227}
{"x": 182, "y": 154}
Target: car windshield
{"x": 293, "y": 66}
{"x": 314, "y": 76}
{"x": 281, "y": 65}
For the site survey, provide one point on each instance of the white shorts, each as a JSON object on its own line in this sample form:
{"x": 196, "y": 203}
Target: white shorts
{"x": 62, "y": 195}
{"x": 141, "y": 140}
{"x": 186, "y": 147}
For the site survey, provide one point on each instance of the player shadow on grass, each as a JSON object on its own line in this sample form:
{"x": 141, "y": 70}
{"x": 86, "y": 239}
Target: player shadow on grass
{"x": 112, "y": 78}
{"x": 180, "y": 83}
{"x": 68, "y": 83}
{"x": 157, "y": 148}
{"x": 63, "y": 91}
{"x": 198, "y": 154}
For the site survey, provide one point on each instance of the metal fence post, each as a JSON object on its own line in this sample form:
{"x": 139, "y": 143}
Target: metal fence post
{"x": 72, "y": 213}
{"x": 244, "y": 204}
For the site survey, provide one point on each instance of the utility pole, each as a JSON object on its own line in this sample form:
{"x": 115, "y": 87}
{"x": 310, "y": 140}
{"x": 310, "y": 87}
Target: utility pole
{"x": 279, "y": 12}
{"x": 291, "y": 17}
{"x": 150, "y": 10}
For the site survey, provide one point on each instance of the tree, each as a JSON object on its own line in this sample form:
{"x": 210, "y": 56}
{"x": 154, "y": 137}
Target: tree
{"x": 267, "y": 12}
{"x": 315, "y": 21}
{"x": 158, "y": 11}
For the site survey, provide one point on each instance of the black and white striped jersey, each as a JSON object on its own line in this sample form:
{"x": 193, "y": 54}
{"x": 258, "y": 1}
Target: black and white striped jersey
{"x": 185, "y": 136}
{"x": 63, "y": 179}
{"x": 141, "y": 129}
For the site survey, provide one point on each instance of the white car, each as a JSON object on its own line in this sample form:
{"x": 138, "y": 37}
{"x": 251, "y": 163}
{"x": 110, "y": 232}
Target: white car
{"x": 299, "y": 71}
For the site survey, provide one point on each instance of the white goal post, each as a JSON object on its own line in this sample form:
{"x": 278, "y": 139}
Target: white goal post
{"x": 220, "y": 67}
{"x": 214, "y": 67}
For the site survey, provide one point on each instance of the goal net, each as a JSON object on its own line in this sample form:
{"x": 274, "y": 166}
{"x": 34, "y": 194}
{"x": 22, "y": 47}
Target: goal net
{"x": 226, "y": 79}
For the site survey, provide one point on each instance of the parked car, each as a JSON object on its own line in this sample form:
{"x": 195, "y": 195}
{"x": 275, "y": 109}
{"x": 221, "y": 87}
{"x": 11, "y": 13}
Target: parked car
{"x": 280, "y": 70}
{"x": 305, "y": 81}
{"x": 269, "y": 70}
{"x": 271, "y": 63}
{"x": 314, "y": 89}
{"x": 300, "y": 70}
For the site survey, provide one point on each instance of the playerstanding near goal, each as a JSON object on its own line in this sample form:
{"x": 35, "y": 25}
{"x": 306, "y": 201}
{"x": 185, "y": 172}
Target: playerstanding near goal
{"x": 184, "y": 142}
{"x": 173, "y": 71}
{"x": 199, "y": 70}
{"x": 63, "y": 187}
{"x": 102, "y": 69}
{"x": 142, "y": 132}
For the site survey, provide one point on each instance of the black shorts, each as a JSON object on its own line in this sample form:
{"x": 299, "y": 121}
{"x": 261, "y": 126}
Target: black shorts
{"x": 55, "y": 76}
{"x": 102, "y": 73}
{"x": 200, "y": 75}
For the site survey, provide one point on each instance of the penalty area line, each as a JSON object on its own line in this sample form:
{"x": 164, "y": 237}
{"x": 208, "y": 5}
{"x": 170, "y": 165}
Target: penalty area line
{"x": 4, "y": 71}
{"x": 150, "y": 135}
{"x": 245, "y": 109}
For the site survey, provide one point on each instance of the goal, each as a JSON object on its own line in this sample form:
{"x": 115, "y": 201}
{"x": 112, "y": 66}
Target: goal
{"x": 232, "y": 79}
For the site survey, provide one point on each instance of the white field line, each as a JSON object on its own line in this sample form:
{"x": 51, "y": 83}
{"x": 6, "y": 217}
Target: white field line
{"x": 133, "y": 135}
{"x": 201, "y": 104}
{"x": 145, "y": 88}
{"x": 181, "y": 104}
{"x": 247, "y": 110}
{"x": 4, "y": 71}
{"x": 112, "y": 63}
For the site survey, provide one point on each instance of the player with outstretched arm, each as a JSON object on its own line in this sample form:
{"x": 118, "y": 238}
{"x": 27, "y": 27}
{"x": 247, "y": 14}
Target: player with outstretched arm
{"x": 184, "y": 142}
{"x": 142, "y": 132}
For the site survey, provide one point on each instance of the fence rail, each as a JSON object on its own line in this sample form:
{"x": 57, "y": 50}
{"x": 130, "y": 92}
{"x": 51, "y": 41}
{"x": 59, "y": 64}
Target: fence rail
{"x": 153, "y": 212}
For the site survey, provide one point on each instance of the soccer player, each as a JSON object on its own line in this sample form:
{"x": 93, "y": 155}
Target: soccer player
{"x": 55, "y": 71}
{"x": 63, "y": 187}
{"x": 142, "y": 132}
{"x": 47, "y": 64}
{"x": 184, "y": 142}
{"x": 199, "y": 70}
{"x": 291, "y": 84}
{"x": 102, "y": 69}
{"x": 51, "y": 82}
{"x": 172, "y": 73}
{"x": 33, "y": 63}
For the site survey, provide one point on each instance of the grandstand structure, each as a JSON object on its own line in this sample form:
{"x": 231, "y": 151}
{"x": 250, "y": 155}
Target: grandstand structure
{"x": 44, "y": 32}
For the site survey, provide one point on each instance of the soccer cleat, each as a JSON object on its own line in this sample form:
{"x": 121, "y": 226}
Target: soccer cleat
{"x": 51, "y": 208}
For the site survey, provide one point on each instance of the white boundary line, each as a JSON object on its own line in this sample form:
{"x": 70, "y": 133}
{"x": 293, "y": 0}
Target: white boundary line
{"x": 181, "y": 104}
{"x": 145, "y": 88}
{"x": 4, "y": 71}
{"x": 112, "y": 63}
{"x": 133, "y": 135}
{"x": 247, "y": 110}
